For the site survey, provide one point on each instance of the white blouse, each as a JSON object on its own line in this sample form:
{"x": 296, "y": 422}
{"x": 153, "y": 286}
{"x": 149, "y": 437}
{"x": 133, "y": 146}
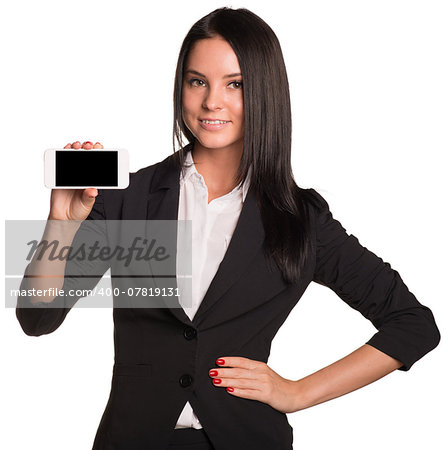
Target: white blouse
{"x": 212, "y": 226}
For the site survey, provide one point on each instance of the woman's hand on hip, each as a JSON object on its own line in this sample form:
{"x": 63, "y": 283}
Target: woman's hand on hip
{"x": 255, "y": 380}
{"x": 73, "y": 204}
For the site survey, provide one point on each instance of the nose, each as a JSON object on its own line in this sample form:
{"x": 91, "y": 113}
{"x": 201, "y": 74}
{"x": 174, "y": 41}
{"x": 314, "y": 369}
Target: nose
{"x": 213, "y": 99}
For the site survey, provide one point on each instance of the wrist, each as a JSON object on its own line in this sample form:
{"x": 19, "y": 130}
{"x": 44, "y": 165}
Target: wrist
{"x": 61, "y": 230}
{"x": 299, "y": 397}
{"x": 57, "y": 217}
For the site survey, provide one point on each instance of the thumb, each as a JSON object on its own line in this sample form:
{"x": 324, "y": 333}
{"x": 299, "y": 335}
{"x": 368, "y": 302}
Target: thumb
{"x": 89, "y": 197}
{"x": 91, "y": 193}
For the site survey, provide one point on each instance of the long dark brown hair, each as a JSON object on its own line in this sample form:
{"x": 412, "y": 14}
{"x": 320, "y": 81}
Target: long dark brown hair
{"x": 267, "y": 135}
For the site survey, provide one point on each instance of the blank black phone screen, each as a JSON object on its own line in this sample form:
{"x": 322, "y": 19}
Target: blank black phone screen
{"x": 86, "y": 168}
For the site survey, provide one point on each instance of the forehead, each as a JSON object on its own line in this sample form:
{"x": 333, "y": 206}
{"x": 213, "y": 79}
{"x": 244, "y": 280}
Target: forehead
{"x": 213, "y": 56}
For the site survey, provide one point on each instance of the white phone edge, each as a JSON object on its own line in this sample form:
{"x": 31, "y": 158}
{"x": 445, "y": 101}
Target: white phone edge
{"x": 49, "y": 168}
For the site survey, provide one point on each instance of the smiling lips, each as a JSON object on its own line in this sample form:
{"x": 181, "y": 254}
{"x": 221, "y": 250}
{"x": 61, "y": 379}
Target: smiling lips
{"x": 213, "y": 121}
{"x": 213, "y": 124}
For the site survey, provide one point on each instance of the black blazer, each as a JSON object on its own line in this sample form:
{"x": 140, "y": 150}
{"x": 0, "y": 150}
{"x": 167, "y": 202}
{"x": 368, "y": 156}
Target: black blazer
{"x": 162, "y": 358}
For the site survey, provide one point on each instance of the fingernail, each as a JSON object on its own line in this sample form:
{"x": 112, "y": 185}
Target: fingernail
{"x": 76, "y": 145}
{"x": 230, "y": 389}
{"x": 97, "y": 145}
{"x": 220, "y": 362}
{"x": 217, "y": 381}
{"x": 213, "y": 373}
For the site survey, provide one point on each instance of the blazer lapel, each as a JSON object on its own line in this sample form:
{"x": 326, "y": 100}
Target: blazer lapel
{"x": 162, "y": 204}
{"x": 248, "y": 236}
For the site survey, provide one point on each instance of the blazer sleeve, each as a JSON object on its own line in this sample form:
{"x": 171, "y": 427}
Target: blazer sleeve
{"x": 44, "y": 318}
{"x": 406, "y": 329}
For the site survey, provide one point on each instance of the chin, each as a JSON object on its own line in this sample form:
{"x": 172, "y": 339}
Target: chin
{"x": 215, "y": 143}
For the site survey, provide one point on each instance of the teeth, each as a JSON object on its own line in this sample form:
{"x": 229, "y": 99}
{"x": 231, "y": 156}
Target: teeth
{"x": 214, "y": 122}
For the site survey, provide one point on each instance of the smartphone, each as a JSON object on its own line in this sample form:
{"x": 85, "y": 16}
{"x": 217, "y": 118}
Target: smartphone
{"x": 81, "y": 169}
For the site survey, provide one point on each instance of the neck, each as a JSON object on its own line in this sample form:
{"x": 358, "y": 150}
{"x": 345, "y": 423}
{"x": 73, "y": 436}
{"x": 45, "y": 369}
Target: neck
{"x": 217, "y": 166}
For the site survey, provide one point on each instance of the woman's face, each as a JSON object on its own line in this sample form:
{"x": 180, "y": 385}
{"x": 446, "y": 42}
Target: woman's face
{"x": 212, "y": 98}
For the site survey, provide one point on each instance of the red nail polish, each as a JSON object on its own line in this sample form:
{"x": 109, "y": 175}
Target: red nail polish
{"x": 217, "y": 381}
{"x": 230, "y": 389}
{"x": 220, "y": 362}
{"x": 213, "y": 373}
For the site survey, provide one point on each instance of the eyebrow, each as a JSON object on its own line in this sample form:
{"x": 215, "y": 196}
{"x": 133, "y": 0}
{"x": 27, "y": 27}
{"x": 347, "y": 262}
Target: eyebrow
{"x": 230, "y": 75}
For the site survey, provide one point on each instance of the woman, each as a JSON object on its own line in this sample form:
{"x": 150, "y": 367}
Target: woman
{"x": 197, "y": 377}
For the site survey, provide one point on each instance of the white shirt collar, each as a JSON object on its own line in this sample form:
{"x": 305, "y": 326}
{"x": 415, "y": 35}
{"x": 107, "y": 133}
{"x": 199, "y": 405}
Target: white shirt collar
{"x": 190, "y": 169}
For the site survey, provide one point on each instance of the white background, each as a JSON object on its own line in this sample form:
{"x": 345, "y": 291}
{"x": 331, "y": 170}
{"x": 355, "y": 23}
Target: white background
{"x": 369, "y": 95}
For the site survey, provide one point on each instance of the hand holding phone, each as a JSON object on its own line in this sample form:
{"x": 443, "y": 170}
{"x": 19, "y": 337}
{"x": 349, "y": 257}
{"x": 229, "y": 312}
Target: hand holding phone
{"x": 69, "y": 203}
{"x": 68, "y": 209}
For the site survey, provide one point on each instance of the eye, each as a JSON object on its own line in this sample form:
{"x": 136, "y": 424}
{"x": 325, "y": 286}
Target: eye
{"x": 236, "y": 84}
{"x": 196, "y": 82}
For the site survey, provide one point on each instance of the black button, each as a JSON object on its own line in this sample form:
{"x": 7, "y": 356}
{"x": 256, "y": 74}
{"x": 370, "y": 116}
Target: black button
{"x": 185, "y": 380}
{"x": 189, "y": 333}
